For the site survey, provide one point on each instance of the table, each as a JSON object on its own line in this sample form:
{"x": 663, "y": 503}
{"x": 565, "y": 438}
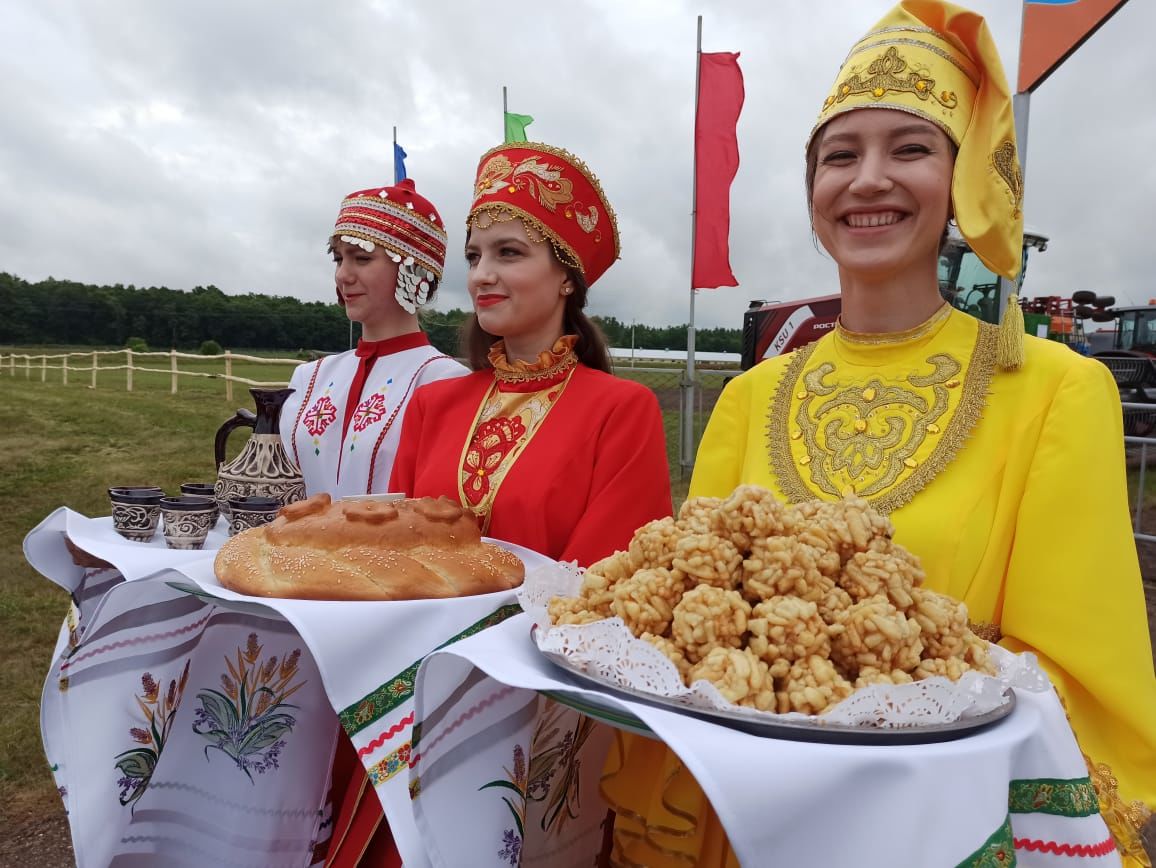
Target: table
{"x": 220, "y": 781}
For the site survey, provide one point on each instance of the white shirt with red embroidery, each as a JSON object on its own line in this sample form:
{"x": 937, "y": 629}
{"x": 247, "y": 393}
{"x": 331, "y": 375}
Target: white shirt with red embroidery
{"x": 311, "y": 418}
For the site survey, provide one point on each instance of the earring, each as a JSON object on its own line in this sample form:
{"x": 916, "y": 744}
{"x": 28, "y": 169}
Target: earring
{"x": 566, "y": 290}
{"x": 413, "y": 286}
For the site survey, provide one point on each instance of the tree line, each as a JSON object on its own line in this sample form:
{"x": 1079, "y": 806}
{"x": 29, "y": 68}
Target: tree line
{"x": 55, "y": 311}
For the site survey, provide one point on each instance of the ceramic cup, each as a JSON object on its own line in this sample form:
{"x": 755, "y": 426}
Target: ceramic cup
{"x": 203, "y": 489}
{"x": 187, "y": 520}
{"x": 135, "y": 511}
{"x": 247, "y": 512}
{"x": 137, "y": 489}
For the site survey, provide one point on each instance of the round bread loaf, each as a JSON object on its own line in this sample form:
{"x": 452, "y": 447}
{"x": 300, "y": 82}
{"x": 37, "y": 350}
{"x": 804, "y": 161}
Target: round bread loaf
{"x": 416, "y": 549}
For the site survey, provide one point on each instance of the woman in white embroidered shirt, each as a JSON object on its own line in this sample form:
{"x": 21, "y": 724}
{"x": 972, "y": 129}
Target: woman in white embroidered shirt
{"x": 343, "y": 421}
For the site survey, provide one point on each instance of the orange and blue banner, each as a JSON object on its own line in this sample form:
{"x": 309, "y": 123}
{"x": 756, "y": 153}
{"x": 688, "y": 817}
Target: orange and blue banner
{"x": 1052, "y": 30}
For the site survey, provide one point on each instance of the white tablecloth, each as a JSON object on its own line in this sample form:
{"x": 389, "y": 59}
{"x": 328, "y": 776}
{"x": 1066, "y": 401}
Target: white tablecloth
{"x": 781, "y": 802}
{"x": 45, "y": 550}
{"x": 356, "y": 664}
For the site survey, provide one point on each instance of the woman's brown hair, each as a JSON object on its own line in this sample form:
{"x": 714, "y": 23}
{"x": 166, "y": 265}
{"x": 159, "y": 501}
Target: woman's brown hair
{"x": 475, "y": 342}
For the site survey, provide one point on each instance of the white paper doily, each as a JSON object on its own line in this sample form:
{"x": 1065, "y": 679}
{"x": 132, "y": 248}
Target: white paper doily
{"x": 608, "y": 651}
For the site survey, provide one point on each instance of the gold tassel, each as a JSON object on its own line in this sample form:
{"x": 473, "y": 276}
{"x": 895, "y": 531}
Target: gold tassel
{"x": 1009, "y": 354}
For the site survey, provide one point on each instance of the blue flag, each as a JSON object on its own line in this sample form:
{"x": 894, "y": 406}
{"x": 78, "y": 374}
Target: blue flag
{"x": 398, "y": 163}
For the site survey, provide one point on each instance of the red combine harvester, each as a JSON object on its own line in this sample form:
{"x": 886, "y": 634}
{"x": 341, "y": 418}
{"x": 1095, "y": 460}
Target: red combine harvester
{"x": 774, "y": 328}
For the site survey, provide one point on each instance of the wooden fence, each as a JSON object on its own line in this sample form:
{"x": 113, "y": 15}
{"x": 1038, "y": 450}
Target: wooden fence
{"x": 63, "y": 362}
{"x": 665, "y": 382}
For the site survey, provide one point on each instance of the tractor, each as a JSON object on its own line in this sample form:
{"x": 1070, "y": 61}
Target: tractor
{"x": 1132, "y": 361}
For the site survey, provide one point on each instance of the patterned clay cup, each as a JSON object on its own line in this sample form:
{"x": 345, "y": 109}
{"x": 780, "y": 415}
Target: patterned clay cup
{"x": 135, "y": 511}
{"x": 137, "y": 489}
{"x": 204, "y": 489}
{"x": 248, "y": 512}
{"x": 187, "y": 520}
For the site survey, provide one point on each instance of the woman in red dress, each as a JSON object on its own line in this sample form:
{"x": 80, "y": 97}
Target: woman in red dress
{"x": 541, "y": 442}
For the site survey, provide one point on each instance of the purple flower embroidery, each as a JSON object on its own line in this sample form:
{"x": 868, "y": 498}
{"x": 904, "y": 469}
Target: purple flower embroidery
{"x": 249, "y": 721}
{"x": 512, "y": 847}
{"x": 515, "y": 781}
{"x": 137, "y": 764}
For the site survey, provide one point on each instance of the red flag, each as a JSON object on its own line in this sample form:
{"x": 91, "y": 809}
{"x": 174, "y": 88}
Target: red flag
{"x": 1052, "y": 30}
{"x": 716, "y": 154}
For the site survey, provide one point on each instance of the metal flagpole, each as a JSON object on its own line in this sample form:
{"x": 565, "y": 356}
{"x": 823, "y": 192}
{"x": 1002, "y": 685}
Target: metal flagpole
{"x": 687, "y": 457}
{"x": 505, "y": 111}
{"x": 395, "y": 155}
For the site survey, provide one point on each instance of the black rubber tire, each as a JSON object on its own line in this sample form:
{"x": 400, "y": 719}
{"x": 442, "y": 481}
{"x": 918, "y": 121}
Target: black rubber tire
{"x": 1083, "y": 296}
{"x": 1103, "y": 316}
{"x": 1104, "y": 300}
{"x": 1082, "y": 311}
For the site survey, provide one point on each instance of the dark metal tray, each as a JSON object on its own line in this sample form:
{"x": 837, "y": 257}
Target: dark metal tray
{"x": 812, "y": 730}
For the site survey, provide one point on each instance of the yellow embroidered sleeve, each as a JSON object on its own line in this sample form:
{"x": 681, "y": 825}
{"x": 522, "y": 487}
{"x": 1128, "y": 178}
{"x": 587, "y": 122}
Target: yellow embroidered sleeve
{"x": 1072, "y": 592}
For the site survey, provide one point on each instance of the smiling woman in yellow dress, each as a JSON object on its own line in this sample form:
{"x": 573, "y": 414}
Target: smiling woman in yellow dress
{"x": 998, "y": 457}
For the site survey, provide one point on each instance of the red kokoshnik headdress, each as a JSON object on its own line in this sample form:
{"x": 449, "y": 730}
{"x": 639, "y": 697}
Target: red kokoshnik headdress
{"x": 554, "y": 192}
{"x": 399, "y": 219}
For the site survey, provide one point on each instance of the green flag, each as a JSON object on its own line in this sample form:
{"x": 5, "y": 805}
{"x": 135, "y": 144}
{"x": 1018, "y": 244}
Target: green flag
{"x": 516, "y": 127}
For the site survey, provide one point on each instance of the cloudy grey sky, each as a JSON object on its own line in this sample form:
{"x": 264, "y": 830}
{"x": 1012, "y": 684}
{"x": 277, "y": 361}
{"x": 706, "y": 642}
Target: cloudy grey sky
{"x": 180, "y": 144}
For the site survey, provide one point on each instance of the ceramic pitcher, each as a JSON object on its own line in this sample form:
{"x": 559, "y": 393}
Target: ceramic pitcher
{"x": 263, "y": 467}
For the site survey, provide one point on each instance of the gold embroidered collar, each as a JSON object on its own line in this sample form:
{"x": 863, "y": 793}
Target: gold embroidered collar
{"x": 883, "y": 432}
{"x": 506, "y": 422}
{"x": 552, "y": 364}
{"x": 925, "y": 328}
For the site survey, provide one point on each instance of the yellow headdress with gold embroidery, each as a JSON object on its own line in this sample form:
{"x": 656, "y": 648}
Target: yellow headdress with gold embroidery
{"x": 938, "y": 61}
